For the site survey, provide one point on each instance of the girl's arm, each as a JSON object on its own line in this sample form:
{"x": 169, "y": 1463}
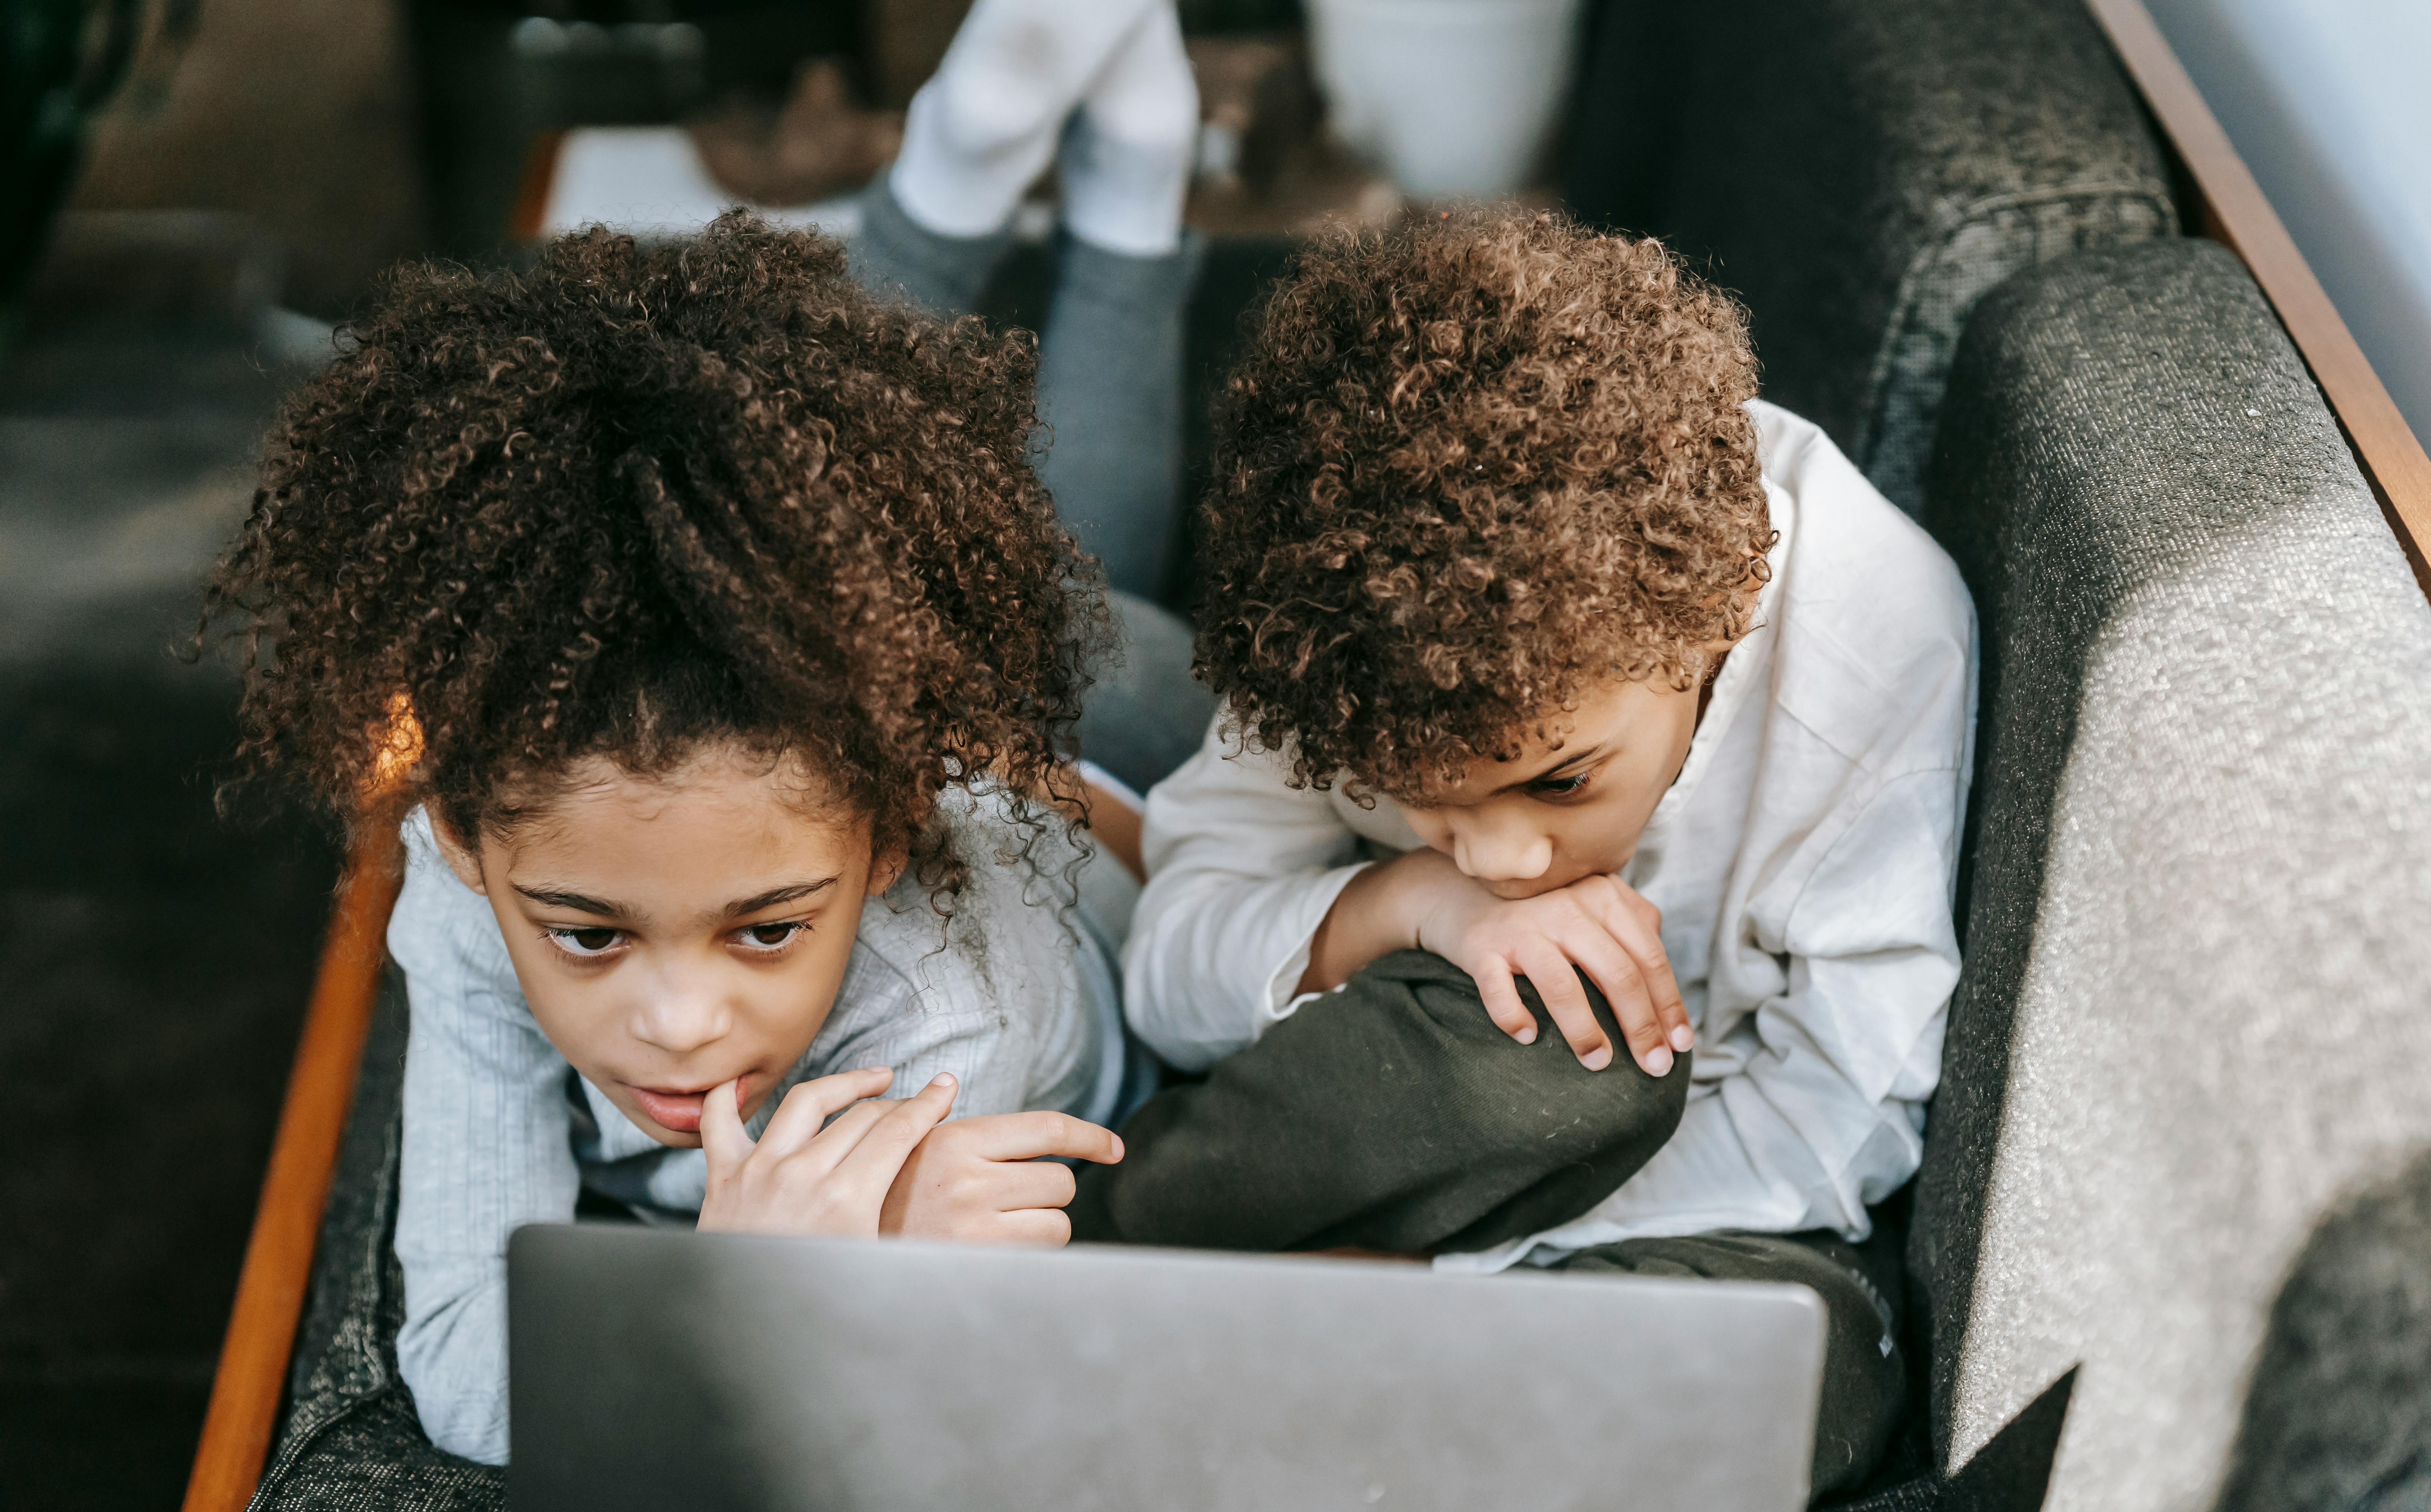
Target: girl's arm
{"x": 1242, "y": 870}
{"x": 487, "y": 1148}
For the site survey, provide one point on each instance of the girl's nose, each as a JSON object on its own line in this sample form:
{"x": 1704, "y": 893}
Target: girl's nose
{"x": 679, "y": 1021}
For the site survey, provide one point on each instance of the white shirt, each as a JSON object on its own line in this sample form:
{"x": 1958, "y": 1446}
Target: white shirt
{"x": 1804, "y": 861}
{"x": 1016, "y": 997}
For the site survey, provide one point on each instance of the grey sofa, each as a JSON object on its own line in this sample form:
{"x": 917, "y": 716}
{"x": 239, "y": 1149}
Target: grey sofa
{"x": 2193, "y": 1014}
{"x": 2191, "y": 1023}
{"x": 1860, "y": 171}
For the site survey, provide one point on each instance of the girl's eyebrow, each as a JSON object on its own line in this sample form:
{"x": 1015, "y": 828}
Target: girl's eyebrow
{"x": 578, "y": 902}
{"x": 793, "y": 892}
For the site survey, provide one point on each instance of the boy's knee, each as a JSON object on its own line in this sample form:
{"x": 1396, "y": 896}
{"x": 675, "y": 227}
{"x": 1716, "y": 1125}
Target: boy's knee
{"x": 1432, "y": 1014}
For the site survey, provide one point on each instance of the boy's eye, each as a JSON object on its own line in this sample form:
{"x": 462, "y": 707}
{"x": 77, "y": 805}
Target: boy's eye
{"x": 1558, "y": 786}
{"x": 768, "y": 936}
{"x": 586, "y": 940}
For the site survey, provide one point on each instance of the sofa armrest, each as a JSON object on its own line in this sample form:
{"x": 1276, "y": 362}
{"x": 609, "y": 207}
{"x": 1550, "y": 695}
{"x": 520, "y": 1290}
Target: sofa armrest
{"x": 2201, "y": 855}
{"x": 251, "y": 1378}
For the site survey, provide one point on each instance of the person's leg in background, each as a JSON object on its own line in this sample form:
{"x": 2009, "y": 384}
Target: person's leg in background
{"x": 978, "y": 135}
{"x": 1865, "y": 1377}
{"x": 1110, "y": 380}
{"x": 1145, "y": 713}
{"x": 1104, "y": 90}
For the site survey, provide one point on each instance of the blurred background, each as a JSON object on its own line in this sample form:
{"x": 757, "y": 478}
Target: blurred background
{"x": 194, "y": 193}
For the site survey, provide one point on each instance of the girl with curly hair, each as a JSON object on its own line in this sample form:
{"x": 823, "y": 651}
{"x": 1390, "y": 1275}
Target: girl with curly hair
{"x": 1576, "y": 700}
{"x": 706, "y": 619}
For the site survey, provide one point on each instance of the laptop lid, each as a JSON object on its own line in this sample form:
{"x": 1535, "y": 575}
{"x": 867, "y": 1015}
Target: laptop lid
{"x": 665, "y": 1369}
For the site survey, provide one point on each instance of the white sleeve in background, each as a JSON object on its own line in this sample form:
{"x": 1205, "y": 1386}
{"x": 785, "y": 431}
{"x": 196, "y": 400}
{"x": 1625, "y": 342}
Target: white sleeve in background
{"x": 1819, "y": 1109}
{"x": 983, "y": 129}
{"x": 1242, "y": 869}
{"x": 486, "y": 1148}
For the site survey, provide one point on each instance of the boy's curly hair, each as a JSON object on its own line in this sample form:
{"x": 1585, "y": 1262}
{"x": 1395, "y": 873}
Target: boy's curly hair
{"x": 639, "y": 498}
{"x": 1465, "y": 467}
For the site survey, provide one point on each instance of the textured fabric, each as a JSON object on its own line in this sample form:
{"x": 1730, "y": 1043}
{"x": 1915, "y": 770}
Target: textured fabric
{"x": 1391, "y": 1114}
{"x": 2192, "y": 1013}
{"x": 1015, "y": 996}
{"x": 1802, "y": 860}
{"x": 1860, "y": 171}
{"x": 350, "y": 1441}
{"x": 2338, "y": 1419}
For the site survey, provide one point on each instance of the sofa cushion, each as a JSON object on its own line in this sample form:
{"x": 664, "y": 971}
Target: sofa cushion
{"x": 2193, "y": 1013}
{"x": 350, "y": 1439}
{"x": 1861, "y": 172}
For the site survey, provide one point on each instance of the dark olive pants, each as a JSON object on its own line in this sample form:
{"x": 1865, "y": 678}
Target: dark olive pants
{"x": 1394, "y": 1116}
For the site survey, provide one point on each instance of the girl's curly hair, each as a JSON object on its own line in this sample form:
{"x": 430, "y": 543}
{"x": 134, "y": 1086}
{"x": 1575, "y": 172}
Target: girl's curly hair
{"x": 643, "y": 497}
{"x": 1465, "y": 467}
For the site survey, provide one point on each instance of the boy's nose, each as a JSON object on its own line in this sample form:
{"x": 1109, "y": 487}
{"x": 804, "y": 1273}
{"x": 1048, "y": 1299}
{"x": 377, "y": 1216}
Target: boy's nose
{"x": 1508, "y": 853}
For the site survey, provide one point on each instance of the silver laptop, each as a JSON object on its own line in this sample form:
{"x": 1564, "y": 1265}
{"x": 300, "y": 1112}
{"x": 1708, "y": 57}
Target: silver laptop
{"x": 663, "y": 1370}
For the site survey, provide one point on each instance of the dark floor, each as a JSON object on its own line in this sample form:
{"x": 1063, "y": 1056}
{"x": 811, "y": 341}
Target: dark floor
{"x": 154, "y": 958}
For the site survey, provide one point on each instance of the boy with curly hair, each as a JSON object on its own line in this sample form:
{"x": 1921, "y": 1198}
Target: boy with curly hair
{"x": 708, "y": 621}
{"x": 1568, "y": 687}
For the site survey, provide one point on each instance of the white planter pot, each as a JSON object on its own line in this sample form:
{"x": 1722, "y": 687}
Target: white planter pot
{"x": 1454, "y": 98}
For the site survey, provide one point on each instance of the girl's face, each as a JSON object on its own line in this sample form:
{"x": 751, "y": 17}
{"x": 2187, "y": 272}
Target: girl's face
{"x": 673, "y": 934}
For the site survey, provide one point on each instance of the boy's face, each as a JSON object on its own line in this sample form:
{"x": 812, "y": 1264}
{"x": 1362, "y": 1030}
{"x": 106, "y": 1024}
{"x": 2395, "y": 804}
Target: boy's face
{"x": 673, "y": 934}
{"x": 1551, "y": 816}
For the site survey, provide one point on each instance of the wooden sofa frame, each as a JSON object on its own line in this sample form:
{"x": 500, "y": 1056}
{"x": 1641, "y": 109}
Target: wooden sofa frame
{"x": 250, "y": 1385}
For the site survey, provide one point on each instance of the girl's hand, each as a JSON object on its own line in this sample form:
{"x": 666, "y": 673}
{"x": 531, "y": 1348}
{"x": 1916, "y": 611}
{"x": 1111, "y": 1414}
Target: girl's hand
{"x": 981, "y": 1180}
{"x": 800, "y": 1178}
{"x": 1599, "y": 925}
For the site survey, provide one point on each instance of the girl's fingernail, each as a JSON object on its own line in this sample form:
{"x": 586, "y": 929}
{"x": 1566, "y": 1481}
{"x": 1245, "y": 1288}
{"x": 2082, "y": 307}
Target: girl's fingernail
{"x": 943, "y": 1079}
{"x": 1658, "y": 1062}
{"x": 1527, "y": 1035}
{"x": 1598, "y": 1058}
{"x": 1684, "y": 1038}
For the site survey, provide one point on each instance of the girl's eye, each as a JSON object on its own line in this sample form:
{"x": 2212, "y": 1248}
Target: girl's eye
{"x": 1558, "y": 786}
{"x": 768, "y": 936}
{"x": 590, "y": 940}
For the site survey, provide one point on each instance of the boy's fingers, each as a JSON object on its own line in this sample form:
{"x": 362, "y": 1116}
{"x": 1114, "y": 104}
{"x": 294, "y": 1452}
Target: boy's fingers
{"x": 723, "y": 1139}
{"x": 1503, "y": 1002}
{"x": 1617, "y": 972}
{"x": 1031, "y": 1136}
{"x": 1638, "y": 928}
{"x": 1557, "y": 983}
{"x": 808, "y": 1107}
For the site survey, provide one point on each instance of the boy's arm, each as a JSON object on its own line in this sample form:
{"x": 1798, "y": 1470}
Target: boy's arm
{"x": 487, "y": 1148}
{"x": 1242, "y": 870}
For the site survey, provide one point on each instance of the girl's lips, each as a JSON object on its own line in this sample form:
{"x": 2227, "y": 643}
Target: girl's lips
{"x": 676, "y": 1112}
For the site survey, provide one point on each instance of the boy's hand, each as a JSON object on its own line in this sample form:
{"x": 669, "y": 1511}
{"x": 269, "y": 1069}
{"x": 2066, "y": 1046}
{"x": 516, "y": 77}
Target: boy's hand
{"x": 800, "y": 1178}
{"x": 1599, "y": 924}
{"x": 981, "y": 1180}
